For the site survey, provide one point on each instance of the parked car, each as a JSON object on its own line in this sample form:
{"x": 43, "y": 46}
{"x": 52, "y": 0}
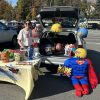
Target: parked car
{"x": 93, "y": 24}
{"x": 7, "y": 35}
{"x": 69, "y": 18}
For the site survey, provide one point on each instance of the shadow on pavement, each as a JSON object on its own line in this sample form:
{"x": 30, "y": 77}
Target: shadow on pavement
{"x": 49, "y": 85}
{"x": 95, "y": 58}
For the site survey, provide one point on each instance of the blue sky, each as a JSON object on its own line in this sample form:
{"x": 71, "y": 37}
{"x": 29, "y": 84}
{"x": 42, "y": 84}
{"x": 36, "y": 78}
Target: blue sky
{"x": 13, "y": 2}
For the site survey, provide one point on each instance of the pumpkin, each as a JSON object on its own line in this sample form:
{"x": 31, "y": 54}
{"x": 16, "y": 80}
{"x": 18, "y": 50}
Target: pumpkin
{"x": 5, "y": 57}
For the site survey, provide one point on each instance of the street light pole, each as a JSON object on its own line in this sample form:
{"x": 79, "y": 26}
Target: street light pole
{"x": 50, "y": 3}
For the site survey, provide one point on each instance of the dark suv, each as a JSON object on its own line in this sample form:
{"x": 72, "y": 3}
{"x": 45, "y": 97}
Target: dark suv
{"x": 68, "y": 17}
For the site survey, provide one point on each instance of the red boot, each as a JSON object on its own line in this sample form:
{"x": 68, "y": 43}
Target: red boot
{"x": 85, "y": 89}
{"x": 78, "y": 90}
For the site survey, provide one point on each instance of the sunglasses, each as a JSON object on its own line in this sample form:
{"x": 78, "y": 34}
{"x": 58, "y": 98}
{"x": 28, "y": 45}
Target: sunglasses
{"x": 27, "y": 23}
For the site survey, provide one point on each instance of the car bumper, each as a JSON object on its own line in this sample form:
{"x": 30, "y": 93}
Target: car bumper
{"x": 56, "y": 60}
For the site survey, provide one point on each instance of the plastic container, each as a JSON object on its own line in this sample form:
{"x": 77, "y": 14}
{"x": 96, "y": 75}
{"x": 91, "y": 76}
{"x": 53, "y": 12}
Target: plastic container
{"x": 17, "y": 56}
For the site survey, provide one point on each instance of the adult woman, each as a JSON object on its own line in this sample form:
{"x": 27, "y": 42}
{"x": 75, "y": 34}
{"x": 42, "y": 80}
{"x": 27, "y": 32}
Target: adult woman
{"x": 25, "y": 36}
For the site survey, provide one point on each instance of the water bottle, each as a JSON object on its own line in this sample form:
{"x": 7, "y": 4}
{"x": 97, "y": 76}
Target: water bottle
{"x": 30, "y": 53}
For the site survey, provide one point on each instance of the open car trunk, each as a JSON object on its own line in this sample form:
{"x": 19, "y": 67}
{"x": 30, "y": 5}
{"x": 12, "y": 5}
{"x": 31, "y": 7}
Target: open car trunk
{"x": 59, "y": 11}
{"x": 56, "y": 57}
{"x": 68, "y": 17}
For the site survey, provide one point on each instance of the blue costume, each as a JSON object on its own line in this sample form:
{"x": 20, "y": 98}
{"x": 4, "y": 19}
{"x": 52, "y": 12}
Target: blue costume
{"x": 78, "y": 70}
{"x": 81, "y": 74}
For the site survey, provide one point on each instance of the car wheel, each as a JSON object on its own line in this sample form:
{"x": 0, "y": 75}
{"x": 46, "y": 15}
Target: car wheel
{"x": 14, "y": 41}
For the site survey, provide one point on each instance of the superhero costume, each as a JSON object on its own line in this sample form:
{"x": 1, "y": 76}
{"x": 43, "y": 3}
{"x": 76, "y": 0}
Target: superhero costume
{"x": 82, "y": 74}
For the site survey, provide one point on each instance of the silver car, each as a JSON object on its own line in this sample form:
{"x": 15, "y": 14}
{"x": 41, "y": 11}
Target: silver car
{"x": 7, "y": 35}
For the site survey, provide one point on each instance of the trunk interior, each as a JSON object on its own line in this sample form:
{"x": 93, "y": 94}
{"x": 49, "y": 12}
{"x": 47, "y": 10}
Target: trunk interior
{"x": 51, "y": 41}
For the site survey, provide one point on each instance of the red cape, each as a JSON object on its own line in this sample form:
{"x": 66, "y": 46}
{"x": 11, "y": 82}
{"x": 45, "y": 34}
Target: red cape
{"x": 92, "y": 75}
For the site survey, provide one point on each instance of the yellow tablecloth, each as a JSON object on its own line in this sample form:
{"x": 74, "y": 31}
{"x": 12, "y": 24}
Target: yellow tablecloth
{"x": 25, "y": 77}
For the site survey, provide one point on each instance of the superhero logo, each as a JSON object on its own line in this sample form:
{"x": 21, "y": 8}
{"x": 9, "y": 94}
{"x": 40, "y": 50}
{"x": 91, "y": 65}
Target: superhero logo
{"x": 80, "y": 62}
